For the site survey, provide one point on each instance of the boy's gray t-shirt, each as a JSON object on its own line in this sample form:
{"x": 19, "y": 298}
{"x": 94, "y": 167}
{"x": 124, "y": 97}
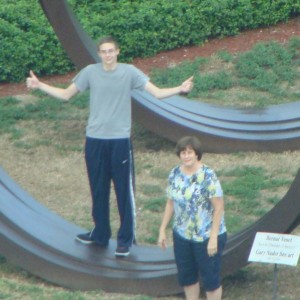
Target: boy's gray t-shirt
{"x": 110, "y": 98}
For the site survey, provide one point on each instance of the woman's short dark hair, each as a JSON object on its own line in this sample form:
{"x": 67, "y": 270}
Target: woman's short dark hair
{"x": 189, "y": 142}
{"x": 108, "y": 39}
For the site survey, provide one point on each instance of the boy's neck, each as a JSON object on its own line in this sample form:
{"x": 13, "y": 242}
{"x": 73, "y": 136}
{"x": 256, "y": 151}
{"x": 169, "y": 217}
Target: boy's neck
{"x": 110, "y": 67}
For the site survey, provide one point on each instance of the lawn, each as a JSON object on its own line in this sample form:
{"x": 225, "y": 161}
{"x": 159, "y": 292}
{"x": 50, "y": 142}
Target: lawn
{"x": 41, "y": 147}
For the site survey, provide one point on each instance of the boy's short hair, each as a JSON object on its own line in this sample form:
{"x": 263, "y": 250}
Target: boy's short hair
{"x": 108, "y": 39}
{"x": 189, "y": 142}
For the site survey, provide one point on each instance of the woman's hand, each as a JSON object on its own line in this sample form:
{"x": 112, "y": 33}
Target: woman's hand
{"x": 162, "y": 240}
{"x": 212, "y": 246}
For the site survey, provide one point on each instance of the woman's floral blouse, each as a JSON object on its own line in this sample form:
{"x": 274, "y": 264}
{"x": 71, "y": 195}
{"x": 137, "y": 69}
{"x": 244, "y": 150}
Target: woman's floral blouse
{"x": 193, "y": 210}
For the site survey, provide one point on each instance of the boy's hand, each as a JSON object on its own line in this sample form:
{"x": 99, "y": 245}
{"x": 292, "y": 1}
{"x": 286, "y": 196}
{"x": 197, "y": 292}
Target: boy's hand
{"x": 187, "y": 85}
{"x": 32, "y": 81}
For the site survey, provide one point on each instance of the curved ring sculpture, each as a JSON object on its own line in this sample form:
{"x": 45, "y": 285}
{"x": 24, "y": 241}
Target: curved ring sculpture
{"x": 38, "y": 240}
{"x": 43, "y": 243}
{"x": 222, "y": 130}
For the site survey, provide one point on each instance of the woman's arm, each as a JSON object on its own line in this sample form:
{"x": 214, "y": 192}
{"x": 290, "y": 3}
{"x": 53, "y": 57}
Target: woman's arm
{"x": 169, "y": 210}
{"x": 218, "y": 205}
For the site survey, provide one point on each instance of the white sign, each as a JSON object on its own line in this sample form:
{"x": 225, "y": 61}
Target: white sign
{"x": 275, "y": 248}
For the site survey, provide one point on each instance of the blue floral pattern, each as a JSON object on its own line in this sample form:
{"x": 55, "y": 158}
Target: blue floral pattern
{"x": 193, "y": 210}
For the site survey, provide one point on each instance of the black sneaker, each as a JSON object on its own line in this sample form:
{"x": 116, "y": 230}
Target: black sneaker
{"x": 122, "y": 251}
{"x": 85, "y": 238}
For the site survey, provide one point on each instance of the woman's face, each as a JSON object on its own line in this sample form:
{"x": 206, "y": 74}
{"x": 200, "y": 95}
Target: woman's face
{"x": 188, "y": 157}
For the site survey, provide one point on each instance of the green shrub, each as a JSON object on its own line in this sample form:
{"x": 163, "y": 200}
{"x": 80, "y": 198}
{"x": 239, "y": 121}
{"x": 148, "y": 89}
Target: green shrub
{"x": 142, "y": 27}
{"x": 28, "y": 42}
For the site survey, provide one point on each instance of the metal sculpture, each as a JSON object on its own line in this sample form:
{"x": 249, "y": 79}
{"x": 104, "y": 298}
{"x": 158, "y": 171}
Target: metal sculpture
{"x": 222, "y": 130}
{"x": 43, "y": 243}
{"x": 38, "y": 240}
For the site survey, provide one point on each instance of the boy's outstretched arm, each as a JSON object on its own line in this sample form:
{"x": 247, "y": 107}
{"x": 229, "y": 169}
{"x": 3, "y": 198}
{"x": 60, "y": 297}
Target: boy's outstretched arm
{"x": 33, "y": 82}
{"x": 160, "y": 93}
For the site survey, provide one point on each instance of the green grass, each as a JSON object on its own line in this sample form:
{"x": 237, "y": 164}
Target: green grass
{"x": 246, "y": 188}
{"x": 155, "y": 204}
{"x": 52, "y": 115}
{"x": 151, "y": 190}
{"x": 250, "y": 190}
{"x": 268, "y": 74}
{"x": 62, "y": 126}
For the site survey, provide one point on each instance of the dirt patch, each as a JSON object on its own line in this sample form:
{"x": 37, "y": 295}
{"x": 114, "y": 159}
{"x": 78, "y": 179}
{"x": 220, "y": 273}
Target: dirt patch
{"x": 239, "y": 43}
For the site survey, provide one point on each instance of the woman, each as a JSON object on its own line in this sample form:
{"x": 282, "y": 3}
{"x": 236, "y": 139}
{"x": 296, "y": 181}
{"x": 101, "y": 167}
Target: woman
{"x": 195, "y": 197}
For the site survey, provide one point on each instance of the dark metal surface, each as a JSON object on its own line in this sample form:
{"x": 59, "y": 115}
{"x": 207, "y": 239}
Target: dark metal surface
{"x": 222, "y": 130}
{"x": 44, "y": 244}
{"x": 79, "y": 46}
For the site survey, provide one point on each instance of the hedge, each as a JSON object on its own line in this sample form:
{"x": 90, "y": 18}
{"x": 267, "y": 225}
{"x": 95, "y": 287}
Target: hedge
{"x": 143, "y": 28}
{"x": 28, "y": 42}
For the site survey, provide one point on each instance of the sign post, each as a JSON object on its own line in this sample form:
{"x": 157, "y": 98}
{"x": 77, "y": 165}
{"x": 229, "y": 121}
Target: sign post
{"x": 277, "y": 249}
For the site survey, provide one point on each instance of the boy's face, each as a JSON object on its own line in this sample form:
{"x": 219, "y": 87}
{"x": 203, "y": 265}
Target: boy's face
{"x": 108, "y": 53}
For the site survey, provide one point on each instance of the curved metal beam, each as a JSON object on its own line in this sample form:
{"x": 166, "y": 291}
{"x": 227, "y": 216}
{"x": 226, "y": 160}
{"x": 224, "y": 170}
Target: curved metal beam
{"x": 41, "y": 242}
{"x": 222, "y": 130}
{"x": 78, "y": 45}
